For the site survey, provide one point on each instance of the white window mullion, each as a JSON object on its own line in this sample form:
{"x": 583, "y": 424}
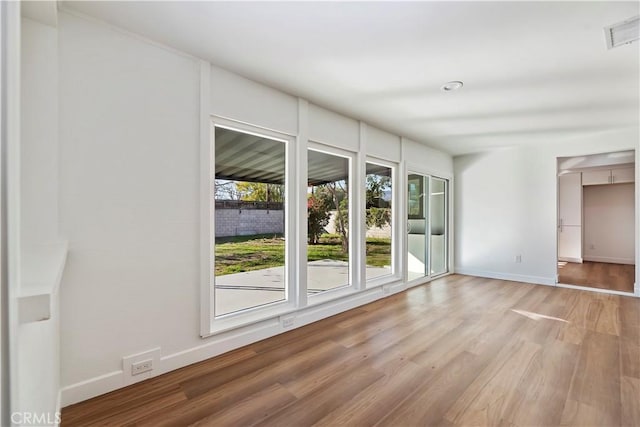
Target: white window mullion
{"x": 299, "y": 187}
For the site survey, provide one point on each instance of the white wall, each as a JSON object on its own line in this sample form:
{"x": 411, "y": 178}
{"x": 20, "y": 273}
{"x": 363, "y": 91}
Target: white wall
{"x": 39, "y": 132}
{"x": 234, "y": 97}
{"x": 129, "y": 200}
{"x": 38, "y": 364}
{"x": 130, "y": 140}
{"x": 506, "y": 204}
{"x": 384, "y": 145}
{"x": 609, "y": 223}
{"x": 333, "y": 129}
{"x": 425, "y": 159}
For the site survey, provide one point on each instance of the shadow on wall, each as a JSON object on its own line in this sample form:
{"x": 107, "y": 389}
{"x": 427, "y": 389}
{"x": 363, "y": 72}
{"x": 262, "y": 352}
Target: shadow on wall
{"x": 466, "y": 161}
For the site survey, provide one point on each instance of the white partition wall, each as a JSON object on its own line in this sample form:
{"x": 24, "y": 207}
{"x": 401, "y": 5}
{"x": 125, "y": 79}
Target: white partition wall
{"x": 522, "y": 216}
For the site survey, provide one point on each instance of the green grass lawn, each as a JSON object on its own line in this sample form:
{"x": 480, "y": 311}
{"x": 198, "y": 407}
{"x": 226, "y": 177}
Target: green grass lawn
{"x": 246, "y": 253}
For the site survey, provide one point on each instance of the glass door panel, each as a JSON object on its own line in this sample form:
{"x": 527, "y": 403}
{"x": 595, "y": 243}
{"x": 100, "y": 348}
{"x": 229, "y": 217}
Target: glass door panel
{"x": 438, "y": 228}
{"x": 417, "y": 248}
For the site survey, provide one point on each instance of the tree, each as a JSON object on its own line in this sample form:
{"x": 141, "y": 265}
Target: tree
{"x": 378, "y": 217}
{"x": 336, "y": 196}
{"x": 226, "y": 190}
{"x": 260, "y": 192}
{"x": 317, "y": 218}
{"x": 376, "y": 187}
{"x": 378, "y": 212}
{"x": 342, "y": 223}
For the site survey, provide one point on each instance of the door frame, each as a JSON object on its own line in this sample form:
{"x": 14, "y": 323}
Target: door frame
{"x": 411, "y": 168}
{"x": 636, "y": 291}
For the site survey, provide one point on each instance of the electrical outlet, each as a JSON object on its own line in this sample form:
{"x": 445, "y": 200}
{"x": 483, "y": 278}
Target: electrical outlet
{"x": 287, "y": 322}
{"x": 518, "y": 259}
{"x": 141, "y": 367}
{"x": 386, "y": 289}
{"x": 592, "y": 246}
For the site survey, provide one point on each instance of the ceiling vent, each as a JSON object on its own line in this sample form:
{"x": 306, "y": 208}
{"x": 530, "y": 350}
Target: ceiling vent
{"x": 623, "y": 32}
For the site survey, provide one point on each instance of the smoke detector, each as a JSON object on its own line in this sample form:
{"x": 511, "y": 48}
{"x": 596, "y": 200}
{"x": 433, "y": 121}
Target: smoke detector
{"x": 624, "y": 32}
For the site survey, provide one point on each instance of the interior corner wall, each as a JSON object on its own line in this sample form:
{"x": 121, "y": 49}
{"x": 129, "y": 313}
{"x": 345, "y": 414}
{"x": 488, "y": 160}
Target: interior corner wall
{"x": 129, "y": 198}
{"x": 506, "y": 204}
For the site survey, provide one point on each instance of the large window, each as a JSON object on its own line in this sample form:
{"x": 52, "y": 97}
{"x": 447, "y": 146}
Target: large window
{"x": 328, "y": 222}
{"x": 250, "y": 232}
{"x": 259, "y": 202}
{"x": 379, "y": 218}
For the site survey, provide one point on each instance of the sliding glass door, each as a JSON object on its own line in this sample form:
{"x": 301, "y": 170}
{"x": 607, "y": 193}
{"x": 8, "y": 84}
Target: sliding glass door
{"x": 427, "y": 226}
{"x": 438, "y": 226}
{"x": 417, "y": 249}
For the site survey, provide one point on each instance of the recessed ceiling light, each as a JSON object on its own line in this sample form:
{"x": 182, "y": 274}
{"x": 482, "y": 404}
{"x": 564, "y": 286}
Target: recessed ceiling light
{"x": 450, "y": 86}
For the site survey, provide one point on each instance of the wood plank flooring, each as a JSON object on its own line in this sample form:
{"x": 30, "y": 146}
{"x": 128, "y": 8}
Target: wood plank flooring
{"x": 617, "y": 277}
{"x": 457, "y": 351}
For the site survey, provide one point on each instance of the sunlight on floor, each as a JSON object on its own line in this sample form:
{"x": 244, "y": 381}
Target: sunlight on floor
{"x": 537, "y": 316}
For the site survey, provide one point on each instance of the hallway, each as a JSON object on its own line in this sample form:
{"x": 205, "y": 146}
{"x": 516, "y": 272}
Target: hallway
{"x": 616, "y": 277}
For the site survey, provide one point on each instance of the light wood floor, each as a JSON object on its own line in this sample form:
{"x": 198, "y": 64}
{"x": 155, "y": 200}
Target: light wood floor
{"x": 617, "y": 277}
{"x": 458, "y": 351}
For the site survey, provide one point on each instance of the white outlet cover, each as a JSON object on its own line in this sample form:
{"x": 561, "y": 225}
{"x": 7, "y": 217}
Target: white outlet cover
{"x": 287, "y": 321}
{"x": 127, "y": 361}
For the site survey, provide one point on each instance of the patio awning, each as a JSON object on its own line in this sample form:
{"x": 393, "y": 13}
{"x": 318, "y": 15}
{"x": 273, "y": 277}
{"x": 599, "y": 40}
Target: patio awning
{"x": 241, "y": 156}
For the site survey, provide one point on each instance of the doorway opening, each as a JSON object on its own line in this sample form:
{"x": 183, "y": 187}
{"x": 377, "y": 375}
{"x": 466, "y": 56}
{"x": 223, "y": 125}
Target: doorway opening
{"x": 596, "y": 221}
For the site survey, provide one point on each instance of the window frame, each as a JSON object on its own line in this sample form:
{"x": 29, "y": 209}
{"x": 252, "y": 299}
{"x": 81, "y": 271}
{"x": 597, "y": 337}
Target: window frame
{"x": 351, "y": 287}
{"x": 409, "y": 169}
{"x": 396, "y": 223}
{"x": 228, "y": 321}
{"x": 446, "y": 226}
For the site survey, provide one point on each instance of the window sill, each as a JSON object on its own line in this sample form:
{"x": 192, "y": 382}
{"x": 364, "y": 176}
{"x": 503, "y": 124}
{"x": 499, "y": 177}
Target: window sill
{"x": 382, "y": 280}
{"x": 248, "y": 317}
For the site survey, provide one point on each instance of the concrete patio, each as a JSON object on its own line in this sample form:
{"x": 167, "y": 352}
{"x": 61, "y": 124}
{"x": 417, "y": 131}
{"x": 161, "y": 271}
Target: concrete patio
{"x": 234, "y": 292}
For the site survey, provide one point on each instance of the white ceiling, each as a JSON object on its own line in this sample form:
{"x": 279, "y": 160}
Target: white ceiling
{"x": 532, "y": 71}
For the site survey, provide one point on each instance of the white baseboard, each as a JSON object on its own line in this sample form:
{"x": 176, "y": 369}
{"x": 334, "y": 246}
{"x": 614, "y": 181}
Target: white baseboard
{"x": 219, "y": 344}
{"x": 537, "y": 280}
{"x": 569, "y": 259}
{"x": 92, "y": 387}
{"x": 629, "y": 261}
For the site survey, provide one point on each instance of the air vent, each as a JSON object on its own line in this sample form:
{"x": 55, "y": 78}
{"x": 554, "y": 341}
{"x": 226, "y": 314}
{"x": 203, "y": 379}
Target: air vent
{"x": 623, "y": 32}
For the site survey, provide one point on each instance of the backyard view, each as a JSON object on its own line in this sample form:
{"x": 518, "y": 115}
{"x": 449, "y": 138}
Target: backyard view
{"x": 247, "y": 253}
{"x": 250, "y": 229}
